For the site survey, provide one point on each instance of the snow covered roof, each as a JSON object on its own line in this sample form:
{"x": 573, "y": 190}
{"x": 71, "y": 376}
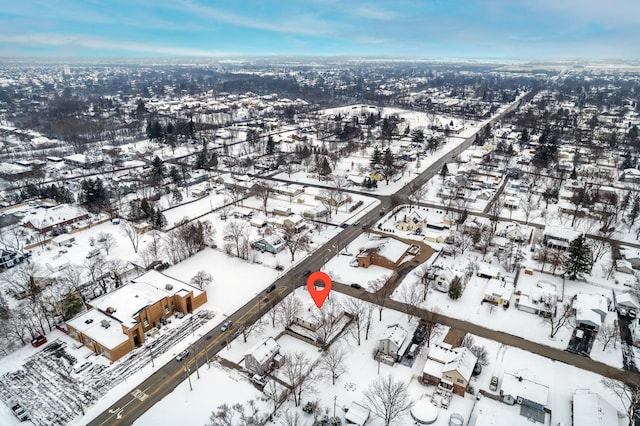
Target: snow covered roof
{"x": 561, "y": 233}
{"x": 424, "y": 411}
{"x": 389, "y": 248}
{"x": 487, "y": 270}
{"x": 125, "y": 302}
{"x": 463, "y": 362}
{"x": 396, "y": 335}
{"x": 589, "y": 409}
{"x": 516, "y": 385}
{"x": 542, "y": 291}
{"x": 91, "y": 325}
{"x": 45, "y": 217}
{"x": 627, "y": 299}
{"x": 595, "y": 302}
{"x": 265, "y": 350}
{"x": 357, "y": 414}
{"x": 499, "y": 288}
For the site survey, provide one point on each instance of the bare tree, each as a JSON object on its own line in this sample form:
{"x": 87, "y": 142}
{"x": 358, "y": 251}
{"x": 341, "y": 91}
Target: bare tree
{"x": 276, "y": 393}
{"x": 410, "y": 297}
{"x": 426, "y": 276}
{"x": 430, "y": 324}
{"x": 237, "y": 233}
{"x": 288, "y": 310}
{"x": 607, "y": 334}
{"x": 629, "y": 396}
{"x": 291, "y": 418}
{"x": 356, "y": 308}
{"x": 263, "y": 191}
{"x": 333, "y": 362}
{"x": 378, "y": 293}
{"x": 107, "y": 241}
{"x": 478, "y": 350}
{"x": 132, "y": 233}
{"x": 201, "y": 279}
{"x": 328, "y": 321}
{"x": 248, "y": 329}
{"x": 388, "y": 398}
{"x": 236, "y": 415}
{"x": 558, "y": 319}
{"x": 297, "y": 373}
{"x": 295, "y": 241}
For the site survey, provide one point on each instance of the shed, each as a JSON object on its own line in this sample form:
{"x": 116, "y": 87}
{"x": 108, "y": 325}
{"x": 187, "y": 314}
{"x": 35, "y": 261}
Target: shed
{"x": 357, "y": 414}
{"x": 63, "y": 240}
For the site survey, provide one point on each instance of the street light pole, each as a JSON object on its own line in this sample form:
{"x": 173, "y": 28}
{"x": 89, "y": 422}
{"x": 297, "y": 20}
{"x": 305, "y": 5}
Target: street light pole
{"x": 187, "y": 370}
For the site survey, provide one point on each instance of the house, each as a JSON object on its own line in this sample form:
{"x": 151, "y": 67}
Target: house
{"x": 590, "y": 409}
{"x": 444, "y": 277}
{"x": 411, "y": 222}
{"x": 590, "y": 310}
{"x": 558, "y": 238}
{"x": 294, "y": 222}
{"x": 57, "y": 264}
{"x": 634, "y": 329}
{"x": 487, "y": 271}
{"x": 47, "y": 218}
{"x": 498, "y": 292}
{"x": 357, "y": 414}
{"x": 269, "y": 243}
{"x": 515, "y": 233}
{"x": 517, "y": 388}
{"x": 624, "y": 266}
{"x": 632, "y": 256}
{"x": 261, "y": 359}
{"x": 449, "y": 368}
{"x": 541, "y": 300}
{"x": 627, "y": 301}
{"x": 9, "y": 258}
{"x": 63, "y": 240}
{"x": 394, "y": 342}
{"x": 432, "y": 236}
{"x": 385, "y": 252}
{"x": 116, "y": 323}
{"x": 83, "y": 161}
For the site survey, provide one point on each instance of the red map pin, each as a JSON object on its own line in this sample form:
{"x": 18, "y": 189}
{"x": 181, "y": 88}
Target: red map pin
{"x": 319, "y": 293}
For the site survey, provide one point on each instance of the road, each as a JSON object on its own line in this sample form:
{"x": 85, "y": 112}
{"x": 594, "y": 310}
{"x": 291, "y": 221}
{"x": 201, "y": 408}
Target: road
{"x": 131, "y": 406}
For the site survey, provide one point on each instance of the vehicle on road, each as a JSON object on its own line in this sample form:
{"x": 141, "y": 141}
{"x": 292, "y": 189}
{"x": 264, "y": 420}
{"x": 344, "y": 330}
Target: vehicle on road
{"x": 271, "y": 288}
{"x": 344, "y": 225}
{"x": 182, "y": 355}
{"x": 494, "y": 383}
{"x": 226, "y": 325}
{"x": 356, "y": 285}
{"x": 307, "y": 272}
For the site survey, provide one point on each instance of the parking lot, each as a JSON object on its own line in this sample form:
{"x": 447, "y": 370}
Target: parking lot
{"x": 54, "y": 386}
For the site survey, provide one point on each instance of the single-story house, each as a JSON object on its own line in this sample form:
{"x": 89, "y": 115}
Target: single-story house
{"x": 590, "y": 409}
{"x": 541, "y": 300}
{"x": 624, "y": 266}
{"x": 385, "y": 252}
{"x": 499, "y": 292}
{"x": 520, "y": 388}
{"x": 47, "y": 218}
{"x": 627, "y": 301}
{"x": 590, "y": 310}
{"x": 559, "y": 238}
{"x": 63, "y": 240}
{"x": 515, "y": 233}
{"x": 450, "y": 368}
{"x": 487, "y": 271}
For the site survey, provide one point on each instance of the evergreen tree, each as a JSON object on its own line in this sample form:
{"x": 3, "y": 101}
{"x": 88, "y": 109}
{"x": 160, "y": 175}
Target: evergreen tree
{"x": 376, "y": 157}
{"x": 628, "y": 162}
{"x": 580, "y": 259}
{"x": 445, "y": 171}
{"x": 325, "y": 168}
{"x": 271, "y": 146}
{"x": 455, "y": 288}
{"x": 524, "y": 138}
{"x": 157, "y": 172}
{"x": 635, "y": 210}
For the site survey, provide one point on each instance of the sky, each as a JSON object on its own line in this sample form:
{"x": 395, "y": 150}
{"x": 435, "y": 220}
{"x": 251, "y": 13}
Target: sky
{"x": 525, "y": 29}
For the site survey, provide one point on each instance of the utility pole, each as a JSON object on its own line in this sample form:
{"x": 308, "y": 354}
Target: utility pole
{"x": 151, "y": 355}
{"x": 187, "y": 370}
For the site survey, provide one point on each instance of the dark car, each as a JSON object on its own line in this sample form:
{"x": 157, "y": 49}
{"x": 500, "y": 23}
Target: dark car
{"x": 307, "y": 272}
{"x": 271, "y": 288}
{"x": 356, "y": 285}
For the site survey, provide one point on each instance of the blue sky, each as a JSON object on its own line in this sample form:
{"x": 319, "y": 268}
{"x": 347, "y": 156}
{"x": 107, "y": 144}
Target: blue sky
{"x": 527, "y": 29}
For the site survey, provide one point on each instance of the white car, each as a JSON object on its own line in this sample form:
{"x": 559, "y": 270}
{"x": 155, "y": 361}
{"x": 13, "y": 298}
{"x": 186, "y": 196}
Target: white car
{"x": 182, "y": 355}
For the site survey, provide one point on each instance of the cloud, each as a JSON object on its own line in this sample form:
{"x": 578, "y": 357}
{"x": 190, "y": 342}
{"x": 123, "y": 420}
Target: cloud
{"x": 88, "y": 42}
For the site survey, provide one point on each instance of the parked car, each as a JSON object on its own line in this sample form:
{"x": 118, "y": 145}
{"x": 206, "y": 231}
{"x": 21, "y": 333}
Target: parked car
{"x": 356, "y": 285}
{"x": 38, "y": 341}
{"x": 226, "y": 325}
{"x": 494, "y": 383}
{"x": 182, "y": 355}
{"x": 271, "y": 288}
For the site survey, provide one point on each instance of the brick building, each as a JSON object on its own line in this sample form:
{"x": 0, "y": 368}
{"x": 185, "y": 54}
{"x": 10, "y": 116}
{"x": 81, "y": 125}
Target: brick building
{"x": 116, "y": 323}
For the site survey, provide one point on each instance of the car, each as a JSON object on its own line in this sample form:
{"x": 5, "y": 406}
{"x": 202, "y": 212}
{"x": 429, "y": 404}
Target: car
{"x": 357, "y": 223}
{"x": 226, "y": 325}
{"x": 182, "y": 355}
{"x": 356, "y": 285}
{"x": 493, "y": 385}
{"x": 307, "y": 272}
{"x": 271, "y": 288}
{"x": 343, "y": 225}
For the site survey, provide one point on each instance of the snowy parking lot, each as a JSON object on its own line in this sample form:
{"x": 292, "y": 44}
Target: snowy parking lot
{"x": 59, "y": 382}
